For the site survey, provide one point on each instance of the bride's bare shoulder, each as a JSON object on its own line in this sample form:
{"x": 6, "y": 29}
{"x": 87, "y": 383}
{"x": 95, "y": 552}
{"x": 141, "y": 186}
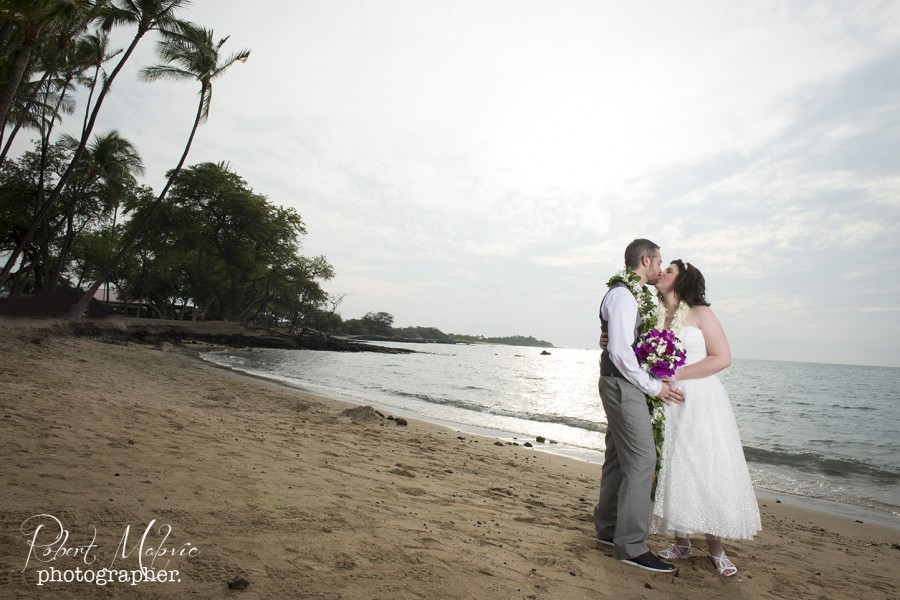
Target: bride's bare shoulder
{"x": 705, "y": 317}
{"x": 701, "y": 315}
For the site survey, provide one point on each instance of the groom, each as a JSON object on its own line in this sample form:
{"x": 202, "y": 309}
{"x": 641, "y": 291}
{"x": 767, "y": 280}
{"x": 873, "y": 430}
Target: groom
{"x": 622, "y": 514}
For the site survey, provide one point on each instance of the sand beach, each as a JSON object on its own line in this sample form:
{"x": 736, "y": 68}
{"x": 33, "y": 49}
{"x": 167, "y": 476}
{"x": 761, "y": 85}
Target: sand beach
{"x": 119, "y": 455}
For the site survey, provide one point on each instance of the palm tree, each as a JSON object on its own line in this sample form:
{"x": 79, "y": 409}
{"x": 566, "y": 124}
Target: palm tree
{"x": 62, "y": 59}
{"x": 48, "y": 25}
{"x": 92, "y": 51}
{"x": 40, "y": 113}
{"x": 111, "y": 161}
{"x": 147, "y": 15}
{"x": 29, "y": 19}
{"x": 190, "y": 53}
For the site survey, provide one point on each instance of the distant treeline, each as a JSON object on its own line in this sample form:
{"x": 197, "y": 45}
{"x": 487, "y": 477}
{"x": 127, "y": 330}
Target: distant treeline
{"x": 513, "y": 340}
{"x": 380, "y": 326}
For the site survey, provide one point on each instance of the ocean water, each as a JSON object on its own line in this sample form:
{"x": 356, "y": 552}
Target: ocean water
{"x": 822, "y": 431}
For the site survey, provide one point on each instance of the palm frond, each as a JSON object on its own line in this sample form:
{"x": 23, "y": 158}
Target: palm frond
{"x": 189, "y": 51}
{"x": 240, "y": 56}
{"x": 164, "y": 72}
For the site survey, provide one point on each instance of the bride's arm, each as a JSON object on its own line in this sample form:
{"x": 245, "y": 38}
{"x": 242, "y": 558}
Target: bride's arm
{"x": 717, "y": 349}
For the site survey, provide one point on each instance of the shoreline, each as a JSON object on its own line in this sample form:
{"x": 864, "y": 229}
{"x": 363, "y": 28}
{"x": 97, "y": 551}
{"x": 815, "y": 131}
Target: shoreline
{"x": 832, "y": 508}
{"x": 283, "y": 492}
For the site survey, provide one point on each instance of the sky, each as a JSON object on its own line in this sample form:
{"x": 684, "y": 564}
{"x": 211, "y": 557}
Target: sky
{"x": 480, "y": 165}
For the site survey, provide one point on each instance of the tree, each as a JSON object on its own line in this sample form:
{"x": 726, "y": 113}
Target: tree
{"x": 380, "y": 323}
{"x": 226, "y": 249}
{"x": 190, "y": 53}
{"x": 92, "y": 52}
{"x": 56, "y": 56}
{"x": 21, "y": 182}
{"x": 297, "y": 299}
{"x": 102, "y": 180}
{"x": 146, "y": 15}
{"x": 60, "y": 19}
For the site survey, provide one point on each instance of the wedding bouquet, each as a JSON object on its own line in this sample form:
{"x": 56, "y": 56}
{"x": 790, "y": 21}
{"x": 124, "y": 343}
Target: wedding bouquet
{"x": 660, "y": 353}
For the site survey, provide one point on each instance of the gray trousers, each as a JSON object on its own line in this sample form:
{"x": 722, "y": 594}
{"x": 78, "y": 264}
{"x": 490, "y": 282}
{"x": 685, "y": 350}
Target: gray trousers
{"x": 623, "y": 510}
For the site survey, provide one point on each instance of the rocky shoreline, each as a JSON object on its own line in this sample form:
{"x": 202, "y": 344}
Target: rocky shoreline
{"x": 216, "y": 333}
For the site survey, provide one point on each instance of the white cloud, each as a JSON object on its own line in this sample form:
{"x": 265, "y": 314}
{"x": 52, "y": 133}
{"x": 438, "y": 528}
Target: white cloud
{"x": 471, "y": 164}
{"x": 880, "y": 309}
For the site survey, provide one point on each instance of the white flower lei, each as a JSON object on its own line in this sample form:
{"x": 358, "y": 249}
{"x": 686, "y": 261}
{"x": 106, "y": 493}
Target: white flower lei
{"x": 648, "y": 307}
{"x": 631, "y": 282}
{"x": 678, "y": 318}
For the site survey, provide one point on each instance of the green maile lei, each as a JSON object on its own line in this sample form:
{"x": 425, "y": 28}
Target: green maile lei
{"x": 650, "y": 314}
{"x": 646, "y": 302}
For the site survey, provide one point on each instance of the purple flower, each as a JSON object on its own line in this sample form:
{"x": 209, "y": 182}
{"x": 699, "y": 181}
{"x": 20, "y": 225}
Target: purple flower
{"x": 659, "y": 352}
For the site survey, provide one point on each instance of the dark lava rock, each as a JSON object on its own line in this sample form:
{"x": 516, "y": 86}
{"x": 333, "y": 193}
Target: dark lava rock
{"x": 238, "y": 583}
{"x": 149, "y": 332}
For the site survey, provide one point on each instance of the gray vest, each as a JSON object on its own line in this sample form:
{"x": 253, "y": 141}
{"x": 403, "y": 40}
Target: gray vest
{"x": 607, "y": 368}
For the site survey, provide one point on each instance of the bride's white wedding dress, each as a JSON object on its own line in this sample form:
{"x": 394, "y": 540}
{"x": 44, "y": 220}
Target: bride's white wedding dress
{"x": 704, "y": 486}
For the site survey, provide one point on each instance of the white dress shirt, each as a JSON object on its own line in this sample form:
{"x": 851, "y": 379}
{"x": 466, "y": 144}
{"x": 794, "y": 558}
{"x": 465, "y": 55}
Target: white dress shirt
{"x": 620, "y": 311}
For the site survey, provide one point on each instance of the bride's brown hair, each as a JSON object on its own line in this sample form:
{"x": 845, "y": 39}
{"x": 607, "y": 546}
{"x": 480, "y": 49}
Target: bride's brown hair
{"x": 690, "y": 284}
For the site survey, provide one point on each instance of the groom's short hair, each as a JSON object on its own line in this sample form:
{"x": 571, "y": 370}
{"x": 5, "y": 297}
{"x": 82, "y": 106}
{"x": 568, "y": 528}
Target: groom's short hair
{"x": 639, "y": 248}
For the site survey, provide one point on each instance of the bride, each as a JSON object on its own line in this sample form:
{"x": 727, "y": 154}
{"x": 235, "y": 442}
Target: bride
{"x": 703, "y": 487}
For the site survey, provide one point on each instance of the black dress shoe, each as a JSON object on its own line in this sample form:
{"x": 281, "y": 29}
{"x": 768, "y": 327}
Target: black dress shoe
{"x": 650, "y": 562}
{"x": 606, "y": 541}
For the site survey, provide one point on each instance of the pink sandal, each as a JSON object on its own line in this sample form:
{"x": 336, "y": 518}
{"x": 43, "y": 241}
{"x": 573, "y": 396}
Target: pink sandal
{"x": 675, "y": 551}
{"x": 723, "y": 565}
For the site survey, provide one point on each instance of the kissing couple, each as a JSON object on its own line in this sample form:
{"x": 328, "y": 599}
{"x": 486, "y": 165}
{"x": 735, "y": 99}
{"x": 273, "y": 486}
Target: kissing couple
{"x": 702, "y": 486}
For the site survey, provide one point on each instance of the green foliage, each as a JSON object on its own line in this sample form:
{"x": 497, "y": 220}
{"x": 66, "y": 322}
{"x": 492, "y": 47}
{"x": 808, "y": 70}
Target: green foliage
{"x": 323, "y": 320}
{"x": 18, "y": 189}
{"x": 226, "y": 249}
{"x": 56, "y": 253}
{"x": 515, "y": 340}
{"x": 379, "y": 325}
{"x": 353, "y": 327}
{"x": 49, "y": 48}
{"x": 415, "y": 334}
